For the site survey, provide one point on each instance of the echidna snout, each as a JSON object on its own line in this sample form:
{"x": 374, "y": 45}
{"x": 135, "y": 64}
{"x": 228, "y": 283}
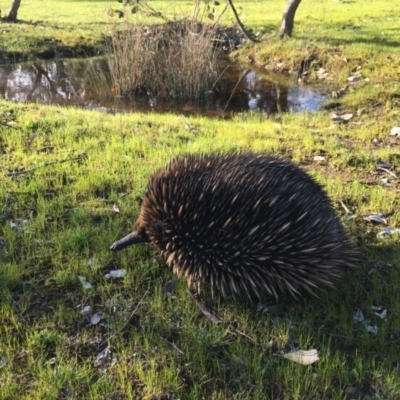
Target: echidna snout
{"x": 129, "y": 239}
{"x": 243, "y": 223}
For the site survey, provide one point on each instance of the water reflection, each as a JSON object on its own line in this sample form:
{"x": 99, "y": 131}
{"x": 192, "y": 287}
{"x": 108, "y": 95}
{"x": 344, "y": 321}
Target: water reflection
{"x": 87, "y": 84}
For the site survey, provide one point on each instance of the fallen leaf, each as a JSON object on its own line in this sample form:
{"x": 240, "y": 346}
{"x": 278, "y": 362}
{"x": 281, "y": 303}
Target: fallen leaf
{"x": 341, "y": 118}
{"x": 85, "y": 283}
{"x": 3, "y": 362}
{"x": 387, "y": 181}
{"x": 96, "y": 318}
{"x": 117, "y": 273}
{"x": 384, "y": 165}
{"x": 322, "y": 73}
{"x": 382, "y": 314}
{"x": 387, "y": 232}
{"x": 304, "y": 357}
{"x": 209, "y": 314}
{"x": 352, "y": 393}
{"x": 86, "y": 310}
{"x": 169, "y": 287}
{"x": 105, "y": 359}
{"x": 347, "y": 117}
{"x": 395, "y": 131}
{"x": 371, "y": 329}
{"x": 377, "y": 218}
{"x": 358, "y": 316}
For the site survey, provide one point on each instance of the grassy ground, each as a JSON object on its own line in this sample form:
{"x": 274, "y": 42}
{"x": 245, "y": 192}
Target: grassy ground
{"x": 72, "y": 27}
{"x": 62, "y": 170}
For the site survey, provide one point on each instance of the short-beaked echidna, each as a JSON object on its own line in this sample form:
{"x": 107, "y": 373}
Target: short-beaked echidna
{"x": 244, "y": 223}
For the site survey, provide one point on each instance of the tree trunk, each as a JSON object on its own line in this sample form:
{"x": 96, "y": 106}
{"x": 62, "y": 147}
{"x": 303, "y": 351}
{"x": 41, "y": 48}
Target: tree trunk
{"x": 287, "y": 24}
{"x": 12, "y": 12}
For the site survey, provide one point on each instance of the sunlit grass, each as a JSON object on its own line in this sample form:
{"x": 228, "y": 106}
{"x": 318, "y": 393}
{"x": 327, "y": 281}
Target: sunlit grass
{"x": 70, "y": 223}
{"x": 57, "y": 223}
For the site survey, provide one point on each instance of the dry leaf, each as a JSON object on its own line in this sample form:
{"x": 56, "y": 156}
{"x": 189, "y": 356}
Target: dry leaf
{"x": 86, "y": 310}
{"x": 395, "y": 131}
{"x": 96, "y": 318}
{"x": 387, "y": 232}
{"x": 382, "y": 314}
{"x": 169, "y": 287}
{"x": 341, "y": 118}
{"x": 105, "y": 359}
{"x": 3, "y": 362}
{"x": 377, "y": 218}
{"x": 384, "y": 165}
{"x": 304, "y": 357}
{"x": 85, "y": 283}
{"x": 209, "y": 314}
{"x": 371, "y": 329}
{"x": 117, "y": 273}
{"x": 358, "y": 316}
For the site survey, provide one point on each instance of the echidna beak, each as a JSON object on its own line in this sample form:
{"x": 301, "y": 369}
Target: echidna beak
{"x": 126, "y": 241}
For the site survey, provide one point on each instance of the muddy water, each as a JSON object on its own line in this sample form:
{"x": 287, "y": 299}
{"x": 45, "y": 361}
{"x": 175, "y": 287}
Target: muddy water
{"x": 87, "y": 84}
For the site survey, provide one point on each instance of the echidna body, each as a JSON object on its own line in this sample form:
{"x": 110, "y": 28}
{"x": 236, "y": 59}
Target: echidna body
{"x": 243, "y": 223}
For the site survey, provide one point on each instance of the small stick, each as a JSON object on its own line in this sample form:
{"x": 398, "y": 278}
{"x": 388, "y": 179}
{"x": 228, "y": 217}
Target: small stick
{"x": 127, "y": 321}
{"x": 388, "y": 171}
{"x": 46, "y": 164}
{"x": 245, "y": 72}
{"x": 344, "y": 206}
{"x": 216, "y": 319}
{"x": 242, "y": 27}
{"x": 177, "y": 349}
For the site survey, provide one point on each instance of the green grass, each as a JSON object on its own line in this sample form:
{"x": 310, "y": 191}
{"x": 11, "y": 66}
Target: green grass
{"x": 57, "y": 223}
{"x": 80, "y": 27}
{"x": 51, "y": 347}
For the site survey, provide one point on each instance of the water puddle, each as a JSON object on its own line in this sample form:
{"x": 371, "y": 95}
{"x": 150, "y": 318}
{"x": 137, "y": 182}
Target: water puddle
{"x": 87, "y": 84}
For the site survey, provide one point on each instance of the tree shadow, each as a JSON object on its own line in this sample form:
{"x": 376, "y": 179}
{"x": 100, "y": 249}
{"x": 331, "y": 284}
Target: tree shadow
{"x": 378, "y": 41}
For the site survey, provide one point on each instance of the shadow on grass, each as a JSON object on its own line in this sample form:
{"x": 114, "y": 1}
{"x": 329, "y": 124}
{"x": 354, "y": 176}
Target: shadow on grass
{"x": 334, "y": 41}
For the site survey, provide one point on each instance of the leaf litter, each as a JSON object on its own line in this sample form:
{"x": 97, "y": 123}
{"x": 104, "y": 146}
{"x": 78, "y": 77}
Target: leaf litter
{"x": 117, "y": 273}
{"x": 359, "y": 318}
{"x": 395, "y": 131}
{"x": 105, "y": 359}
{"x": 303, "y": 357}
{"x": 84, "y": 282}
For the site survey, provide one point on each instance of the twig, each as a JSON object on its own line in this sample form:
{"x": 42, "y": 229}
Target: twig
{"x": 245, "y": 72}
{"x": 216, "y": 319}
{"x": 221, "y": 14}
{"x": 177, "y": 349}
{"x": 223, "y": 72}
{"x": 235, "y": 330}
{"x": 46, "y": 164}
{"x": 388, "y": 171}
{"x": 127, "y": 321}
{"x": 344, "y": 206}
{"x": 157, "y": 13}
{"x": 206, "y": 311}
{"x": 242, "y": 27}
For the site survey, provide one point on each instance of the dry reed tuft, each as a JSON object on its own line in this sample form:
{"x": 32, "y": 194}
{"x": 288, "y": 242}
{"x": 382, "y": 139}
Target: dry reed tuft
{"x": 176, "y": 60}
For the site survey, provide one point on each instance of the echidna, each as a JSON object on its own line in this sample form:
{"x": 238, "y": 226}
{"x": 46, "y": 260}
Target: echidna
{"x": 244, "y": 223}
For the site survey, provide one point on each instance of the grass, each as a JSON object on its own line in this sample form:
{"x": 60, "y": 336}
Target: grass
{"x": 57, "y": 223}
{"x": 51, "y": 347}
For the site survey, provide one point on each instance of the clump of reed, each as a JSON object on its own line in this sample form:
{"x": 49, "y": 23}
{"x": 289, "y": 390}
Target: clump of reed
{"x": 174, "y": 61}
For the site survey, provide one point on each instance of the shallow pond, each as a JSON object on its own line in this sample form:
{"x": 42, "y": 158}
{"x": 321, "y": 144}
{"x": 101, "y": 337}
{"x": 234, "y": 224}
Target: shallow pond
{"x": 87, "y": 84}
